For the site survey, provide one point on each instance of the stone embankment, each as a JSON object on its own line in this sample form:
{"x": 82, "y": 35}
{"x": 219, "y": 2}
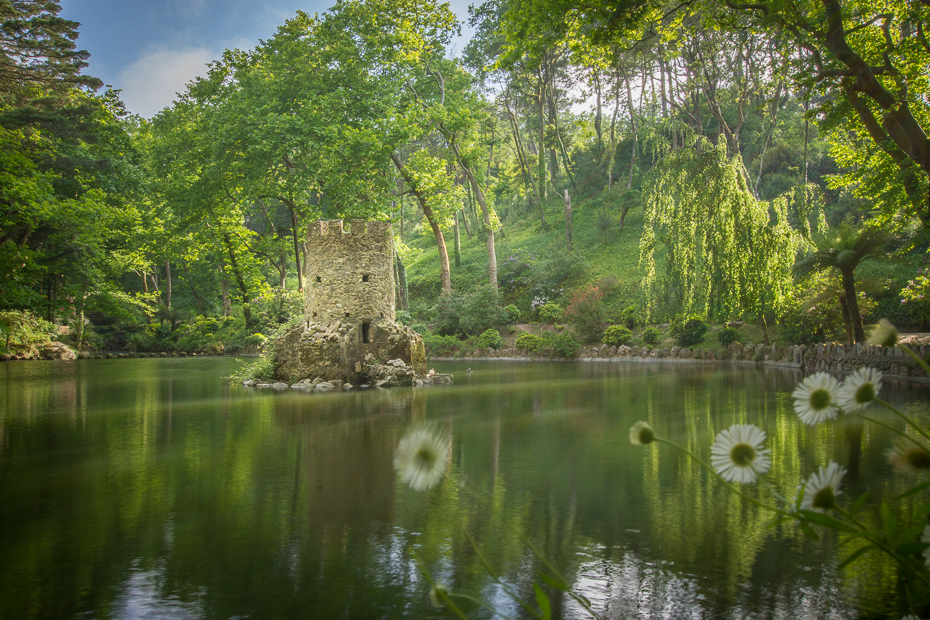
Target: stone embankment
{"x": 831, "y": 358}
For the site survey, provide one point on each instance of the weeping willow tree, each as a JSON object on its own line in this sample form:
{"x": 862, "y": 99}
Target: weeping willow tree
{"x": 726, "y": 254}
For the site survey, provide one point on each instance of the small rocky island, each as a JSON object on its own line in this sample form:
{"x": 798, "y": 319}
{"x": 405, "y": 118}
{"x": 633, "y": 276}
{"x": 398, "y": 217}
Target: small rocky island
{"x": 349, "y": 335}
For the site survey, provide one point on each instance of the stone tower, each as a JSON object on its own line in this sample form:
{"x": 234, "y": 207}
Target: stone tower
{"x": 350, "y": 276}
{"x": 349, "y": 332}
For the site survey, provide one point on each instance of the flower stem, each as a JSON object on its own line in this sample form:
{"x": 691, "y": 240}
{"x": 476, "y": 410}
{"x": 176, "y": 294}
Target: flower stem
{"x": 906, "y": 419}
{"x": 713, "y": 472}
{"x": 893, "y": 430}
{"x": 920, "y": 362}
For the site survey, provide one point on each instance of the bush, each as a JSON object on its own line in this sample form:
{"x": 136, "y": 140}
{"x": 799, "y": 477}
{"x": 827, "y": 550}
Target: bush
{"x": 403, "y": 317}
{"x": 617, "y": 335}
{"x": 727, "y": 336}
{"x": 651, "y": 335}
{"x": 530, "y": 342}
{"x": 586, "y": 311}
{"x": 491, "y": 338}
{"x": 511, "y": 314}
{"x": 468, "y": 313}
{"x": 438, "y": 345}
{"x": 551, "y": 313}
{"x": 563, "y": 345}
{"x": 689, "y": 330}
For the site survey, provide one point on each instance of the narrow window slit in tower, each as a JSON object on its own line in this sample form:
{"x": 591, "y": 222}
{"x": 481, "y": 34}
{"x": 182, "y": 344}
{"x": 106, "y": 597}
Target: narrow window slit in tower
{"x": 365, "y": 278}
{"x": 366, "y": 332}
{"x": 319, "y": 279}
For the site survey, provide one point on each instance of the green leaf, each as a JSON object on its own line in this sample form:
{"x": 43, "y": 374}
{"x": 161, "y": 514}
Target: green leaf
{"x": 854, "y": 555}
{"x": 826, "y": 521}
{"x": 889, "y": 520}
{"x": 917, "y": 489}
{"x": 543, "y": 601}
{"x": 912, "y": 548}
{"x": 808, "y": 531}
{"x": 558, "y": 584}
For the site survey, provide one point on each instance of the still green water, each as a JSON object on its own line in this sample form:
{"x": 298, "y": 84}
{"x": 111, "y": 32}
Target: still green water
{"x": 156, "y": 489}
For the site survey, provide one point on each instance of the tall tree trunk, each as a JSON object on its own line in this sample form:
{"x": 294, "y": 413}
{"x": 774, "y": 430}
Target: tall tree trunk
{"x": 568, "y": 221}
{"x": 224, "y": 290}
{"x": 613, "y": 134}
{"x": 297, "y": 261}
{"x": 445, "y": 272}
{"x": 464, "y": 222}
{"x": 240, "y": 280}
{"x": 541, "y": 149}
{"x": 773, "y": 117}
{"x": 849, "y": 288}
{"x": 168, "y": 283}
{"x": 458, "y": 241}
{"x": 847, "y": 319}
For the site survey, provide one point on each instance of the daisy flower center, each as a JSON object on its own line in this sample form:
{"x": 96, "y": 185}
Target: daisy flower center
{"x": 646, "y": 435}
{"x": 425, "y": 458}
{"x": 820, "y": 399}
{"x": 743, "y": 454}
{"x": 824, "y": 499}
{"x": 865, "y": 393}
{"x": 918, "y": 459}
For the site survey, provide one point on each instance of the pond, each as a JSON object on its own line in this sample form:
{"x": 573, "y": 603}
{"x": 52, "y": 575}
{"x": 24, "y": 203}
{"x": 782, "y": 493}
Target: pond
{"x": 155, "y": 488}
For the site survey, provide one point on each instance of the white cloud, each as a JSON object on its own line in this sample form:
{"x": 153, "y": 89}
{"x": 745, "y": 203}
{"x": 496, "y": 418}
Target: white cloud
{"x": 153, "y": 80}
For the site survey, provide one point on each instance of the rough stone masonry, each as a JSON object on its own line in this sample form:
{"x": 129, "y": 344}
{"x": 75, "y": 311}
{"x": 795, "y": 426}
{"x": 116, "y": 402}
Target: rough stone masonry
{"x": 349, "y": 332}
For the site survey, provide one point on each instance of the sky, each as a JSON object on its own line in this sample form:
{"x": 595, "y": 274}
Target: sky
{"x": 150, "y": 49}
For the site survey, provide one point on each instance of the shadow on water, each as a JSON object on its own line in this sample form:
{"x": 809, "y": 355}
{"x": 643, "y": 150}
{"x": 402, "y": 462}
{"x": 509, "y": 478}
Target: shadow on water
{"x": 155, "y": 488}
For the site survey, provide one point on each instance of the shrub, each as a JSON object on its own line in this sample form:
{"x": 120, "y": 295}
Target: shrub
{"x": 586, "y": 311}
{"x": 617, "y": 335}
{"x": 563, "y": 345}
{"x": 689, "y": 330}
{"x": 468, "y": 313}
{"x": 651, "y": 335}
{"x": 491, "y": 338}
{"x": 530, "y": 342}
{"x": 727, "y": 336}
{"x": 551, "y": 313}
{"x": 438, "y": 345}
{"x": 403, "y": 317}
{"x": 511, "y": 314}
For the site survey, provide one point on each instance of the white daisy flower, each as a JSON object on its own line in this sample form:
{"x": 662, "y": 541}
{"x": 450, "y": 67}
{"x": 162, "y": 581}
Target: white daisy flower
{"x": 821, "y": 488}
{"x": 641, "y": 434}
{"x": 421, "y": 457}
{"x": 909, "y": 457}
{"x": 884, "y": 335}
{"x": 859, "y": 389}
{"x": 925, "y": 538}
{"x": 737, "y": 453}
{"x": 815, "y": 398}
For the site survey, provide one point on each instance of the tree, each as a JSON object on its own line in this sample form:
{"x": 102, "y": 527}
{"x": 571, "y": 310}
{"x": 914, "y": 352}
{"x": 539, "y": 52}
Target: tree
{"x": 844, "y": 248}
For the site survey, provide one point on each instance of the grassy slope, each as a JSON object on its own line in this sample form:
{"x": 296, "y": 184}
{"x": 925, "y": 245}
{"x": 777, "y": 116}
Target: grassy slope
{"x": 616, "y": 256}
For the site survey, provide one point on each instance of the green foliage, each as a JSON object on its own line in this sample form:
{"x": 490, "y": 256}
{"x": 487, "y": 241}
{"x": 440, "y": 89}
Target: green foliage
{"x": 529, "y": 342}
{"x": 551, "y": 313}
{"x": 727, "y": 336}
{"x": 468, "y": 313}
{"x": 21, "y": 332}
{"x": 438, "y": 345}
{"x": 586, "y": 312}
{"x": 564, "y": 344}
{"x": 617, "y": 335}
{"x": 651, "y": 336}
{"x": 403, "y": 317}
{"x": 511, "y": 314}
{"x": 490, "y": 339}
{"x": 808, "y": 324}
{"x": 726, "y": 254}
{"x": 689, "y": 330}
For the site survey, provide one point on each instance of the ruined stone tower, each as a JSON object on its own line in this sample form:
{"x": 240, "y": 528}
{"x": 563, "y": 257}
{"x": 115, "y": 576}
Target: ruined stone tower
{"x": 350, "y": 276}
{"x": 349, "y": 332}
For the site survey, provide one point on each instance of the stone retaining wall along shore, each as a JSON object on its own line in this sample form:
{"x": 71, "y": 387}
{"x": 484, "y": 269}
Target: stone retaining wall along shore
{"x": 832, "y": 358}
